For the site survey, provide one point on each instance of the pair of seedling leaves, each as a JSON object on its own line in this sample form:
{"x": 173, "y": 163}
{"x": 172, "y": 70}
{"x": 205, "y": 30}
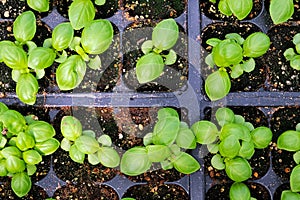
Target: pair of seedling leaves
{"x": 23, "y": 142}
{"x": 96, "y": 38}
{"x": 293, "y": 56}
{"x": 236, "y": 53}
{"x": 280, "y": 10}
{"x": 290, "y": 141}
{"x": 165, "y": 145}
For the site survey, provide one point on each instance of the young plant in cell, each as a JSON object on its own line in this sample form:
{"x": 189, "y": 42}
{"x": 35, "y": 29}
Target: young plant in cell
{"x": 240, "y": 9}
{"x": 240, "y": 191}
{"x": 80, "y": 143}
{"x": 26, "y": 60}
{"x": 23, "y": 142}
{"x": 233, "y": 144}
{"x": 165, "y": 145}
{"x": 291, "y": 55}
{"x": 235, "y": 53}
{"x": 164, "y": 36}
{"x": 281, "y": 10}
{"x": 290, "y": 141}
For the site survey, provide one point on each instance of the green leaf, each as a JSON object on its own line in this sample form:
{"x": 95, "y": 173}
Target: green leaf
{"x": 62, "y": 36}
{"x": 21, "y": 184}
{"x": 229, "y": 146}
{"x": 135, "y": 161}
{"x": 14, "y": 57}
{"x": 295, "y": 179}
{"x": 3, "y": 171}
{"x": 236, "y": 37}
{"x": 171, "y": 57}
{"x": 89, "y": 133}
{"x": 3, "y": 142}
{"x": 47, "y": 43}
{"x": 147, "y": 139}
{"x": 39, "y": 73}
{"x": 109, "y": 157}
{"x": 13, "y": 121}
{"x": 87, "y": 144}
{"x": 149, "y": 67}
{"x": 75, "y": 42}
{"x": 213, "y": 41}
{"x": 224, "y": 8}
{"x": 32, "y": 157}
{"x": 248, "y": 65}
{"x": 27, "y": 88}
{"x": 295, "y": 62}
{"x": 70, "y": 127}
{"x": 81, "y": 13}
{"x": 224, "y": 116}
{"x": 14, "y": 164}
{"x": 95, "y": 63}
{"x": 3, "y": 108}
{"x": 175, "y": 149}
{"x": 31, "y": 169}
{"x": 249, "y": 126}
{"x": 186, "y": 138}
{"x": 239, "y": 191}
{"x": 147, "y": 46}
{"x": 238, "y": 169}
{"x": 209, "y": 60}
{"x": 62, "y": 57}
{"x": 296, "y": 157}
{"x": 11, "y": 151}
{"x": 289, "y": 54}
{"x": 218, "y": 162}
{"x": 261, "y": 137}
{"x": 76, "y": 155}
{"x": 205, "y": 131}
{"x": 65, "y": 144}
{"x": 296, "y": 39}
{"x": 218, "y": 78}
{"x": 31, "y": 46}
{"x": 239, "y": 131}
{"x": 256, "y": 45}
{"x": 281, "y": 10}
{"x": 39, "y": 5}
{"x": 25, "y": 141}
{"x": 166, "y": 165}
{"x": 93, "y": 158}
{"x": 166, "y": 112}
{"x": 246, "y": 150}
{"x": 47, "y": 147}
{"x": 158, "y": 153}
{"x": 241, "y": 8}
{"x": 100, "y": 2}
{"x": 165, "y": 34}
{"x": 105, "y": 140}
{"x": 236, "y": 71}
{"x": 289, "y": 195}
{"x": 186, "y": 164}
{"x": 41, "y": 131}
{"x": 97, "y": 36}
{"x": 24, "y": 27}
{"x": 213, "y": 148}
{"x": 70, "y": 73}
{"x": 166, "y": 130}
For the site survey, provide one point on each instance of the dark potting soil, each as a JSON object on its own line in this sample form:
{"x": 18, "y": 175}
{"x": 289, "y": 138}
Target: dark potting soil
{"x": 159, "y": 9}
{"x": 279, "y": 190}
{"x": 11, "y": 8}
{"x": 174, "y": 76}
{"x": 281, "y": 76}
{"x": 252, "y": 81}
{"x": 35, "y": 193}
{"x": 210, "y": 10}
{"x": 154, "y": 192}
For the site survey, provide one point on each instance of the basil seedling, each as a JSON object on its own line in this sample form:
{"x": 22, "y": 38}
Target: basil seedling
{"x": 164, "y": 145}
{"x": 80, "y": 143}
{"x": 233, "y": 144}
{"x": 240, "y": 191}
{"x": 28, "y": 66}
{"x": 23, "y": 142}
{"x": 151, "y": 65}
{"x": 235, "y": 53}
{"x": 281, "y": 10}
{"x": 39, "y": 5}
{"x": 290, "y": 141}
{"x": 291, "y": 55}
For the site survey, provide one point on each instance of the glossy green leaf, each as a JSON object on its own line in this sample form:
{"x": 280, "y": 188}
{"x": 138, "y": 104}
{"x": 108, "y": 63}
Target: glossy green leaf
{"x": 97, "y": 36}
{"x": 41, "y": 58}
{"x": 32, "y": 157}
{"x": 47, "y": 147}
{"x": 62, "y": 36}
{"x": 148, "y": 139}
{"x": 229, "y": 146}
{"x": 105, "y": 140}
{"x": 289, "y": 54}
{"x": 149, "y": 67}
{"x": 70, "y": 73}
{"x": 39, "y": 73}
{"x": 3, "y": 45}
{"x": 241, "y": 8}
{"x": 39, "y": 5}
{"x": 95, "y": 63}
{"x": 158, "y": 153}
{"x": 238, "y": 169}
{"x": 249, "y": 65}
{"x": 147, "y": 46}
{"x": 261, "y": 137}
{"x": 11, "y": 151}
{"x": 289, "y": 195}
{"x": 166, "y": 112}
{"x": 218, "y": 162}
{"x": 31, "y": 169}
{"x": 93, "y": 158}
{"x": 224, "y": 116}
{"x": 14, "y": 57}
{"x": 295, "y": 179}
{"x": 224, "y": 8}
{"x": 209, "y": 60}
{"x": 281, "y": 10}
{"x": 62, "y": 57}
{"x": 213, "y": 148}
{"x": 165, "y": 34}
{"x": 27, "y": 88}
{"x": 25, "y": 141}
{"x": 24, "y": 27}
{"x": 171, "y": 57}
{"x": 256, "y": 45}
{"x": 65, "y": 144}
{"x": 239, "y": 131}
{"x": 213, "y": 41}
{"x": 175, "y": 149}
{"x": 86, "y": 144}
{"x": 186, "y": 164}
{"x": 246, "y": 150}
{"x": 13, "y": 121}
{"x": 75, "y": 42}
{"x": 81, "y": 13}
{"x": 14, "y": 164}
{"x": 236, "y": 37}
{"x": 41, "y": 131}
{"x": 135, "y": 161}
{"x": 249, "y": 126}
{"x": 239, "y": 191}
{"x": 296, "y": 157}
{"x": 220, "y": 79}
{"x": 3, "y": 170}
{"x": 109, "y": 157}
{"x": 3, "y": 108}
{"x": 70, "y": 127}
{"x": 236, "y": 71}
{"x": 166, "y": 165}
{"x": 166, "y": 130}
{"x": 31, "y": 46}
{"x": 3, "y": 142}
{"x": 295, "y": 62}
{"x": 90, "y": 133}
{"x": 186, "y": 138}
{"x": 205, "y": 131}
{"x": 76, "y": 155}
{"x": 21, "y": 184}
